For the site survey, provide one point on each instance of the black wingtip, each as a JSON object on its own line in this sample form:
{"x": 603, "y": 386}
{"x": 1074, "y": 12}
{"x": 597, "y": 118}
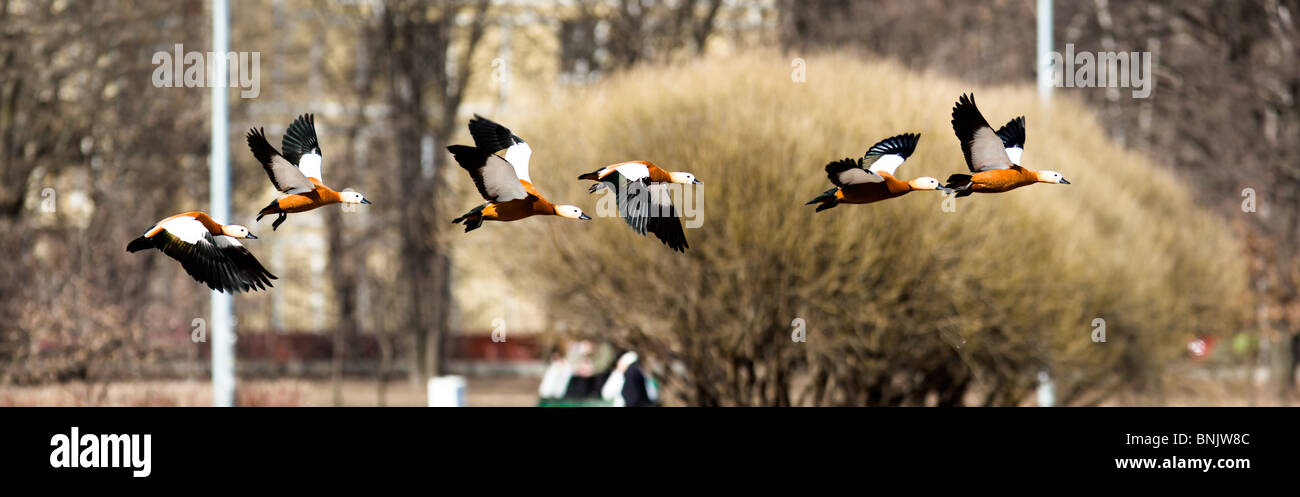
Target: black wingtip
{"x": 262, "y": 149}
{"x": 1013, "y": 133}
{"x": 469, "y": 158}
{"x": 300, "y": 138}
{"x": 669, "y": 231}
{"x": 903, "y": 145}
{"x": 964, "y": 103}
{"x": 141, "y": 243}
{"x": 841, "y": 166}
{"x": 490, "y": 136}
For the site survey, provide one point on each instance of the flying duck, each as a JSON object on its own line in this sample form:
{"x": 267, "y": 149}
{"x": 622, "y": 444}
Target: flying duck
{"x": 643, "y": 200}
{"x": 993, "y": 157}
{"x": 296, "y": 173}
{"x": 498, "y": 164}
{"x": 208, "y": 250}
{"x": 871, "y": 178}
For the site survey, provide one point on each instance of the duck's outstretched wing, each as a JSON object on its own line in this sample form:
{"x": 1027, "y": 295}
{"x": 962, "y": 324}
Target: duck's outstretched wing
{"x": 980, "y": 145}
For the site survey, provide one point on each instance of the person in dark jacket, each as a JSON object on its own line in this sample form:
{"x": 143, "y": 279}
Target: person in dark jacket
{"x": 628, "y": 384}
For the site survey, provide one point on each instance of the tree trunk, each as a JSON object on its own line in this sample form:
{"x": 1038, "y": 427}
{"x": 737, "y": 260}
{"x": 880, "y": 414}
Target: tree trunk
{"x": 343, "y": 281}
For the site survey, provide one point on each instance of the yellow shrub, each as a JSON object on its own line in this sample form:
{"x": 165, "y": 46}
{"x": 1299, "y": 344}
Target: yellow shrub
{"x": 903, "y": 302}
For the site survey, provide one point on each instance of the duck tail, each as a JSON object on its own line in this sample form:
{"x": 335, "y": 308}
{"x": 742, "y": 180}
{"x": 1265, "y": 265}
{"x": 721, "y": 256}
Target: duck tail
{"x": 826, "y": 199}
{"x": 826, "y": 195}
{"x": 142, "y": 243}
{"x": 594, "y": 175}
{"x": 473, "y": 224}
{"x": 959, "y": 183}
{"x": 272, "y": 208}
{"x": 472, "y": 219}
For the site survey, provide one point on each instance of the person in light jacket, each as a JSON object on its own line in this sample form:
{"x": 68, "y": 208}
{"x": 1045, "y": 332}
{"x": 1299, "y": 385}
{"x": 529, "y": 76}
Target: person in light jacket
{"x": 628, "y": 385}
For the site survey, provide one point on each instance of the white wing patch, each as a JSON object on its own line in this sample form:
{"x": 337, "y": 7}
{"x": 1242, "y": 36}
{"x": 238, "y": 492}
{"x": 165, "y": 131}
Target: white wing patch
{"x": 633, "y": 171}
{"x": 1014, "y": 154}
{"x": 224, "y": 241}
{"x": 309, "y": 164}
{"x": 518, "y": 155}
{"x": 188, "y": 229}
{"x": 887, "y": 163}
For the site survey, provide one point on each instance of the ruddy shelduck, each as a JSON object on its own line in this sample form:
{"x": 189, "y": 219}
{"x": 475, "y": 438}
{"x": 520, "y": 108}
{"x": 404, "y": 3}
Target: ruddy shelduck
{"x": 641, "y": 193}
{"x": 498, "y": 164}
{"x": 297, "y": 173}
{"x": 871, "y": 178}
{"x": 993, "y": 157}
{"x": 209, "y": 251}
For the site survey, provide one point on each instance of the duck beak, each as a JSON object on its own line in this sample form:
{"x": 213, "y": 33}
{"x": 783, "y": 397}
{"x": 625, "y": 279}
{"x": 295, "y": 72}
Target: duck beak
{"x": 584, "y": 217}
{"x": 365, "y": 201}
{"x": 251, "y": 236}
{"x": 1064, "y": 182}
{"x": 697, "y": 182}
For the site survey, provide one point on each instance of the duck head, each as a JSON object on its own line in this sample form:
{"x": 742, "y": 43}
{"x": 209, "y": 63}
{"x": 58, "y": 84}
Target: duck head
{"x": 237, "y": 231}
{"x": 353, "y": 198}
{"x": 684, "y": 178}
{"x": 925, "y": 183}
{"x": 571, "y": 212}
{"x": 1051, "y": 177}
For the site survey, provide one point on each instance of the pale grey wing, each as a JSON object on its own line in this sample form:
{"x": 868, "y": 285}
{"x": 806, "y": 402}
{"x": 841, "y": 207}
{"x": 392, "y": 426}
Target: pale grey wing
{"x": 850, "y": 172}
{"x": 987, "y": 152}
{"x": 493, "y": 176}
{"x": 980, "y": 145}
{"x": 498, "y": 180}
{"x": 288, "y": 178}
{"x": 663, "y": 220}
{"x": 859, "y": 176}
{"x": 648, "y": 207}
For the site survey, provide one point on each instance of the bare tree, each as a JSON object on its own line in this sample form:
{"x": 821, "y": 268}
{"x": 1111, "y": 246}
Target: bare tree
{"x": 79, "y": 125}
{"x": 427, "y": 80}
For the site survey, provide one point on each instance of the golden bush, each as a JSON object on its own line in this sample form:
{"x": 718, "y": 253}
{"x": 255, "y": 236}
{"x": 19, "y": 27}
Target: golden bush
{"x": 904, "y": 303}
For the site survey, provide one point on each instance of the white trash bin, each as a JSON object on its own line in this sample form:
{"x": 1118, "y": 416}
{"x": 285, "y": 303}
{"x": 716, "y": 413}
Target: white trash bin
{"x": 447, "y": 391}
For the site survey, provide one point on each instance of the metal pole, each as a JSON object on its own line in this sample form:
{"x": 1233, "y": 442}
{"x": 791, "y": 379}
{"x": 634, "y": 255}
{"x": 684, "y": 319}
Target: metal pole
{"x": 223, "y": 316}
{"x": 1044, "y": 51}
